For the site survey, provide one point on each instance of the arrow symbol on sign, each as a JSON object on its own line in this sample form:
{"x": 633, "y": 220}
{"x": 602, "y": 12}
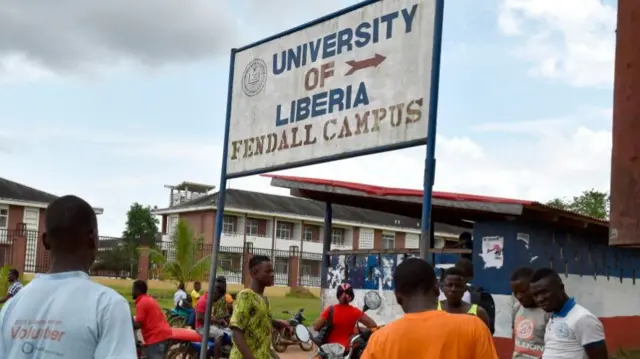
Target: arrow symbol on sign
{"x": 363, "y": 64}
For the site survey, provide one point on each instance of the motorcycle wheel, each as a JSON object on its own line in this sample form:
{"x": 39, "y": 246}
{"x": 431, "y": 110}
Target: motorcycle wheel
{"x": 277, "y": 343}
{"x": 307, "y": 346}
{"x": 180, "y": 353}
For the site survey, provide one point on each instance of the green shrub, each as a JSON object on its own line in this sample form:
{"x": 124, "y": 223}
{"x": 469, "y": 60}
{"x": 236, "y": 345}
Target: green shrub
{"x": 4, "y": 281}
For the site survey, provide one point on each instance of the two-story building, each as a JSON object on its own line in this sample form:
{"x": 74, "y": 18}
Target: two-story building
{"x": 275, "y": 224}
{"x": 22, "y": 211}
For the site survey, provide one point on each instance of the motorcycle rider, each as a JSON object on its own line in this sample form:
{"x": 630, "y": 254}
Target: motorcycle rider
{"x": 227, "y": 297}
{"x": 454, "y": 288}
{"x": 219, "y": 316}
{"x": 149, "y": 318}
{"x": 345, "y": 317}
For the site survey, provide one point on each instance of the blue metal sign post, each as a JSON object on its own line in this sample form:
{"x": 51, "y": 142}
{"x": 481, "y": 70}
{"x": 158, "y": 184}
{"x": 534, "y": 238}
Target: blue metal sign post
{"x": 430, "y": 161}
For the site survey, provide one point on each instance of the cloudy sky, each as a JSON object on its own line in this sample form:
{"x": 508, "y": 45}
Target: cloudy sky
{"x": 112, "y": 100}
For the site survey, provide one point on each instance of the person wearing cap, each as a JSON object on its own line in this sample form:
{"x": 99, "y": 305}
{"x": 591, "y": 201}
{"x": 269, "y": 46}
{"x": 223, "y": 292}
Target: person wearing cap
{"x": 345, "y": 317}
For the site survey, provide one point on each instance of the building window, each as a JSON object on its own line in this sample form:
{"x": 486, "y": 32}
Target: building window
{"x": 284, "y": 230}
{"x": 337, "y": 236}
{"x": 229, "y": 224}
{"x": 172, "y": 224}
{"x": 281, "y": 266}
{"x": 306, "y": 270}
{"x": 252, "y": 227}
{"x": 388, "y": 241}
{"x": 4, "y": 217}
{"x": 307, "y": 235}
{"x": 225, "y": 264}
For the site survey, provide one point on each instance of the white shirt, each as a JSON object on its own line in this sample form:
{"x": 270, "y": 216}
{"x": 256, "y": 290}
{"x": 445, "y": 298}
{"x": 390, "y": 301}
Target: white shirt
{"x": 178, "y": 296}
{"x": 566, "y": 336}
{"x": 66, "y": 315}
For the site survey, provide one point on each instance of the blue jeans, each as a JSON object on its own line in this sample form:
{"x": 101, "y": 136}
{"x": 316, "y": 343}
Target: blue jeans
{"x": 157, "y": 350}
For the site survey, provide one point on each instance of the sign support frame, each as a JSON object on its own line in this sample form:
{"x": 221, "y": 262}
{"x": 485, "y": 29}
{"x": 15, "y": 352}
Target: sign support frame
{"x": 222, "y": 194}
{"x": 430, "y": 159}
{"x": 429, "y": 168}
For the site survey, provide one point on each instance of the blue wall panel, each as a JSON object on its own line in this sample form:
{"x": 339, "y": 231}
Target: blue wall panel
{"x": 566, "y": 251}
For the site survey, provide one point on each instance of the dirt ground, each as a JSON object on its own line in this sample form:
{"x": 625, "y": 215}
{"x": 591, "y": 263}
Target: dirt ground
{"x": 296, "y": 353}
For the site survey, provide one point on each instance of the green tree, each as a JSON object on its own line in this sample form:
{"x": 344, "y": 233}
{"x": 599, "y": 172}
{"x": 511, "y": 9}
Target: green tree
{"x": 186, "y": 261}
{"x": 117, "y": 259}
{"x": 142, "y": 226}
{"x": 591, "y": 202}
{"x": 559, "y": 203}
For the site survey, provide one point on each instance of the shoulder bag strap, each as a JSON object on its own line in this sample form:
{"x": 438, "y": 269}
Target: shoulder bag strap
{"x": 330, "y": 317}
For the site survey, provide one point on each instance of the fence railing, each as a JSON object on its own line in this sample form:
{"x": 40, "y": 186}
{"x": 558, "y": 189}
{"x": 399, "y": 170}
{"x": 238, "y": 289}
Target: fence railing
{"x": 117, "y": 258}
{"x": 231, "y": 260}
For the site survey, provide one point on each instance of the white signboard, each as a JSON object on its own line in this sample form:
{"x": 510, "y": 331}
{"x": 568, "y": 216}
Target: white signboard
{"x": 354, "y": 83}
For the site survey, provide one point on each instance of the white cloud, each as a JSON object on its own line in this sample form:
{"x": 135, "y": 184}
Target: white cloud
{"x": 71, "y": 37}
{"x": 49, "y": 39}
{"x": 572, "y": 41}
{"x": 528, "y": 163}
{"x": 537, "y": 165}
{"x": 535, "y": 159}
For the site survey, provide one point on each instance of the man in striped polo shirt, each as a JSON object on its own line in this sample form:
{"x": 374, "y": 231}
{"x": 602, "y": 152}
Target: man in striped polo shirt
{"x": 14, "y": 285}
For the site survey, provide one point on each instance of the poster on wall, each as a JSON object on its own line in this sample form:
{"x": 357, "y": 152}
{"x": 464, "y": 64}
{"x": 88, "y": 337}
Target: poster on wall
{"x": 492, "y": 251}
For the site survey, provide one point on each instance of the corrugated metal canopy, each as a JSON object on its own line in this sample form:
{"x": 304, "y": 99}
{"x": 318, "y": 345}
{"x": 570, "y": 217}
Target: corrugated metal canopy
{"x": 452, "y": 208}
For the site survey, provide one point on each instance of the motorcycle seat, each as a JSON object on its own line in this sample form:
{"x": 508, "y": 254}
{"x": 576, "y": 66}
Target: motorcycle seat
{"x": 196, "y": 346}
{"x": 185, "y": 335}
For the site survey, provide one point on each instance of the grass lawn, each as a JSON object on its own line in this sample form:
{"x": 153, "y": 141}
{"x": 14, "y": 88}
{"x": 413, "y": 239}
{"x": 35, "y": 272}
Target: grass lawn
{"x": 279, "y": 298}
{"x": 278, "y": 303}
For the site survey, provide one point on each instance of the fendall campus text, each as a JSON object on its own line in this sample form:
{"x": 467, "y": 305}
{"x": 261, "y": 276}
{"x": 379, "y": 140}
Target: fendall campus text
{"x": 322, "y": 101}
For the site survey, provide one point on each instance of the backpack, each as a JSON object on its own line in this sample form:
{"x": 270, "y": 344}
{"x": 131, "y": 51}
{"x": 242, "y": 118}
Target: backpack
{"x": 485, "y": 301}
{"x": 323, "y": 334}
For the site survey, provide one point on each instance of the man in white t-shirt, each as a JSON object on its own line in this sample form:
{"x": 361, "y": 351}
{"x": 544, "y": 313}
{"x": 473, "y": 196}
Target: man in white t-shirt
{"x": 572, "y": 332}
{"x": 179, "y": 296}
{"x": 64, "y": 314}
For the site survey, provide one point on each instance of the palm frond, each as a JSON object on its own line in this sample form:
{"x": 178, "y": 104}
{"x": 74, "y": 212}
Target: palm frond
{"x": 186, "y": 262}
{"x": 156, "y": 256}
{"x": 198, "y": 270}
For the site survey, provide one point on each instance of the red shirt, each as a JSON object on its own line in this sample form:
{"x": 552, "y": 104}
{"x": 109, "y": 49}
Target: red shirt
{"x": 201, "y": 307}
{"x": 154, "y": 325}
{"x": 345, "y": 317}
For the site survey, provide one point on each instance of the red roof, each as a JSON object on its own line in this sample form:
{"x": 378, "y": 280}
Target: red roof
{"x": 390, "y": 191}
{"x": 447, "y": 196}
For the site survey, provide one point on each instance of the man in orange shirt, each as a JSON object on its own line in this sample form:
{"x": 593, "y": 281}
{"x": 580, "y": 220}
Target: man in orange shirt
{"x": 149, "y": 318}
{"x": 424, "y": 332}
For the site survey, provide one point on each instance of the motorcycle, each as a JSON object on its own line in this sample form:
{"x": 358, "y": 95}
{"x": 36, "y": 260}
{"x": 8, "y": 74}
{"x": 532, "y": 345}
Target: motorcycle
{"x": 357, "y": 344}
{"x": 186, "y": 343}
{"x": 177, "y": 318}
{"x": 282, "y": 338}
{"x": 139, "y": 351}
